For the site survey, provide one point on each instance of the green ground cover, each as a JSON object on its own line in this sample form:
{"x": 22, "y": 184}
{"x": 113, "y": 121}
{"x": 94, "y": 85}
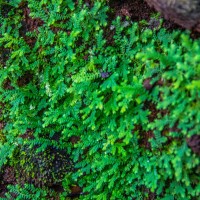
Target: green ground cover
{"x": 110, "y": 106}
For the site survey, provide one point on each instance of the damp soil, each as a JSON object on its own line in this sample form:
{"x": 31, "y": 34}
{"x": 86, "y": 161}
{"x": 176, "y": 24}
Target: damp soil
{"x": 136, "y": 10}
{"x": 139, "y": 10}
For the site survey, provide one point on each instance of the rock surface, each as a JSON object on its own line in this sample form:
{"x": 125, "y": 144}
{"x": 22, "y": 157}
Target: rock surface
{"x": 183, "y": 12}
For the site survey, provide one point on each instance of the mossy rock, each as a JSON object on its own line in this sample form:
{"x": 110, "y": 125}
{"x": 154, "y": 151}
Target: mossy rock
{"x": 186, "y": 13}
{"x": 45, "y": 168}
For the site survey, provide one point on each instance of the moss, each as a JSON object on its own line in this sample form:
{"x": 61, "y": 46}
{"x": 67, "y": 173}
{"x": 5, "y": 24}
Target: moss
{"x": 45, "y": 168}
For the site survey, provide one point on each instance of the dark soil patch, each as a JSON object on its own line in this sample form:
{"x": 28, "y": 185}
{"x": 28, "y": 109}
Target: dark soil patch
{"x": 138, "y": 10}
{"x": 29, "y": 24}
{"x": 7, "y": 176}
{"x": 25, "y": 79}
{"x": 75, "y": 191}
{"x": 7, "y": 85}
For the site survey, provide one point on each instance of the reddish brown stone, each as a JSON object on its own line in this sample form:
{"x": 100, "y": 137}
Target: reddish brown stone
{"x": 74, "y": 139}
{"x": 75, "y": 190}
{"x": 183, "y": 12}
{"x": 194, "y": 143}
{"x": 160, "y": 82}
{"x": 147, "y": 85}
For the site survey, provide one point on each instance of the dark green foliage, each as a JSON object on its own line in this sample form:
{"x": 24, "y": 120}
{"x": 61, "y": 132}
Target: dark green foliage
{"x": 65, "y": 78}
{"x": 30, "y": 192}
{"x": 25, "y": 193}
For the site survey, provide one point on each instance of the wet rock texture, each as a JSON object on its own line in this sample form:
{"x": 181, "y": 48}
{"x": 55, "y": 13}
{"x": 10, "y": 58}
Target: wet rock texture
{"x": 183, "y": 12}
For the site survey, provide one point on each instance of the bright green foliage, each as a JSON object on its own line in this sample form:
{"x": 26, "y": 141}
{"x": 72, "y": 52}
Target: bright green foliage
{"x": 132, "y": 142}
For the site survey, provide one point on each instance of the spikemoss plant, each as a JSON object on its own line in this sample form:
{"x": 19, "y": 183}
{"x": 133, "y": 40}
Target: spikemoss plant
{"x": 128, "y": 94}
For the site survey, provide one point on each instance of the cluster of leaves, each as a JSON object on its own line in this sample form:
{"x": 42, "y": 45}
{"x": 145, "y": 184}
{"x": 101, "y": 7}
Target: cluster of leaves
{"x": 78, "y": 75}
{"x": 27, "y": 192}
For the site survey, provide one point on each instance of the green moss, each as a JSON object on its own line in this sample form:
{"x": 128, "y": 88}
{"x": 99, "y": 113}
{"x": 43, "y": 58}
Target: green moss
{"x": 41, "y": 169}
{"x": 88, "y": 83}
